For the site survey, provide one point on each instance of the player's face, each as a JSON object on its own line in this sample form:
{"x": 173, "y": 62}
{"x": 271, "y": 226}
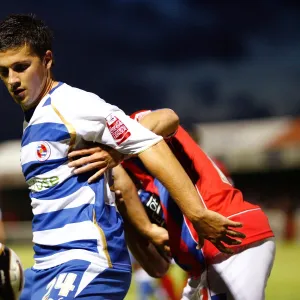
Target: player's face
{"x": 25, "y": 75}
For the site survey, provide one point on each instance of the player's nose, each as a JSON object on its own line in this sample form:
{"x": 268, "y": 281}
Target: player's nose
{"x": 13, "y": 78}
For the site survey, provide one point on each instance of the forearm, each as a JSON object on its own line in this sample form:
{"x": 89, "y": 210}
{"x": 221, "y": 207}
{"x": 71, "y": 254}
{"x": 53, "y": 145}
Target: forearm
{"x": 161, "y": 162}
{"x": 145, "y": 252}
{"x": 130, "y": 206}
{"x": 163, "y": 122}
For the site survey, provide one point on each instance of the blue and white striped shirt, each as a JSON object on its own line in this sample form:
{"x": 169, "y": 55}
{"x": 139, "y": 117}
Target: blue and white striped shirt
{"x": 71, "y": 218}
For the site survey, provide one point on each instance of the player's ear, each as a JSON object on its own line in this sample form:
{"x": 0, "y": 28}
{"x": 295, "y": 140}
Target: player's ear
{"x": 48, "y": 59}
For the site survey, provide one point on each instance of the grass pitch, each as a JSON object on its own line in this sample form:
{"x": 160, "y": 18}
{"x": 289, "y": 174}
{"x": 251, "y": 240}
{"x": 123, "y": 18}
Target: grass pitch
{"x": 284, "y": 283}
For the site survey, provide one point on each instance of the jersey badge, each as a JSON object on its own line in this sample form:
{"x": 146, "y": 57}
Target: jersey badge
{"x": 43, "y": 151}
{"x": 117, "y": 129}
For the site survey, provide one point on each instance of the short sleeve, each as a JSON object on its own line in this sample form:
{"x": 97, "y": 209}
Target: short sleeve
{"x": 97, "y": 121}
{"x": 126, "y": 135}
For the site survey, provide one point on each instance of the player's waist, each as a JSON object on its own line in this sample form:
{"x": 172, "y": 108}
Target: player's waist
{"x": 56, "y": 246}
{"x": 46, "y": 262}
{"x": 85, "y": 235}
{"x": 48, "y": 257}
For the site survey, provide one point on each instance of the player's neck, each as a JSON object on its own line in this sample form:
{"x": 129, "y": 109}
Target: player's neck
{"x": 49, "y": 85}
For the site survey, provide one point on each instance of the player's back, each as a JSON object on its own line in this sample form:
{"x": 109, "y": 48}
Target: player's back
{"x": 213, "y": 186}
{"x": 216, "y": 192}
{"x": 71, "y": 218}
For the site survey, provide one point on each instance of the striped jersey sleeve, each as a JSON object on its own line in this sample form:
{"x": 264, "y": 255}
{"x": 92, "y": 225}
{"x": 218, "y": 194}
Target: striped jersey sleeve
{"x": 97, "y": 121}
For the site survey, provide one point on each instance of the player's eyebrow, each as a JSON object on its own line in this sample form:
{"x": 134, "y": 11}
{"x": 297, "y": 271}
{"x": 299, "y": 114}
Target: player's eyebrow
{"x": 21, "y": 62}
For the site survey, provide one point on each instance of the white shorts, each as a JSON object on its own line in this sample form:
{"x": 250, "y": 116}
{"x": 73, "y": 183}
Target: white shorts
{"x": 242, "y": 276}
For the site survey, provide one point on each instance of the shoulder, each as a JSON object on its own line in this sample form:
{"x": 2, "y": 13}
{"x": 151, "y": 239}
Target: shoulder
{"x": 77, "y": 102}
{"x": 67, "y": 93}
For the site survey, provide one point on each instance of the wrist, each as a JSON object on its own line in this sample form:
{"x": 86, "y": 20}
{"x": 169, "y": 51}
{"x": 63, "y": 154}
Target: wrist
{"x": 148, "y": 230}
{"x": 198, "y": 217}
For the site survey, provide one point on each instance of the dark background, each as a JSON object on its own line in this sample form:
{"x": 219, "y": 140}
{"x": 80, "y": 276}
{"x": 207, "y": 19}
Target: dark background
{"x": 208, "y": 60}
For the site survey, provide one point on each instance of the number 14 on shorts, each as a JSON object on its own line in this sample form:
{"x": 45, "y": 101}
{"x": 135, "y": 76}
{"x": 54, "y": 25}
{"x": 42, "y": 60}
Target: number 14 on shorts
{"x": 63, "y": 283}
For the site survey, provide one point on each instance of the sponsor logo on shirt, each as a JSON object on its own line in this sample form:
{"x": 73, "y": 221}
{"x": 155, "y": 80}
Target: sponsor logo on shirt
{"x": 117, "y": 129}
{"x": 43, "y": 151}
{"x": 40, "y": 184}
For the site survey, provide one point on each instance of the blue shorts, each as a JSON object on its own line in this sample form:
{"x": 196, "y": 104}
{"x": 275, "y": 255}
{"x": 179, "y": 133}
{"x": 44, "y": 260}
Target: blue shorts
{"x": 76, "y": 279}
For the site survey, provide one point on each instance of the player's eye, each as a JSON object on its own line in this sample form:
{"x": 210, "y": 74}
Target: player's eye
{"x": 21, "y": 67}
{"x": 3, "y": 72}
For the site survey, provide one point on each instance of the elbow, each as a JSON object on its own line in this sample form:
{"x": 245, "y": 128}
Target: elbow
{"x": 173, "y": 118}
{"x": 158, "y": 271}
{"x": 171, "y": 121}
{"x": 157, "y": 275}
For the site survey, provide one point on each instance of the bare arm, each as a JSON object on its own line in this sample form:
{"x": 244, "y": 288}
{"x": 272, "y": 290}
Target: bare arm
{"x": 163, "y": 122}
{"x": 161, "y": 162}
{"x": 133, "y": 211}
{"x": 145, "y": 252}
{"x": 138, "y": 229}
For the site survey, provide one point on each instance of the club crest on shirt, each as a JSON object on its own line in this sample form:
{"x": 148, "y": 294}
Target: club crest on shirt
{"x": 117, "y": 129}
{"x": 43, "y": 151}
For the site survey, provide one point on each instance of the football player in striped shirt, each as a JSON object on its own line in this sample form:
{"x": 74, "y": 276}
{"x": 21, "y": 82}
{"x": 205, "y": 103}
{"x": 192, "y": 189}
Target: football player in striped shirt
{"x": 79, "y": 246}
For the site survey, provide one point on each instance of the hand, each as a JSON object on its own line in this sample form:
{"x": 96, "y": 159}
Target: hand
{"x": 155, "y": 234}
{"x": 99, "y": 158}
{"x": 160, "y": 238}
{"x": 216, "y": 228}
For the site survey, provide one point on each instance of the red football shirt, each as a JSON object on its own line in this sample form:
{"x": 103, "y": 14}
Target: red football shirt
{"x": 216, "y": 191}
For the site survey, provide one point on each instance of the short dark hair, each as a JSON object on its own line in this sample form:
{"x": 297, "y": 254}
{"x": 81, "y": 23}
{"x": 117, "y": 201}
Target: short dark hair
{"x": 19, "y": 30}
